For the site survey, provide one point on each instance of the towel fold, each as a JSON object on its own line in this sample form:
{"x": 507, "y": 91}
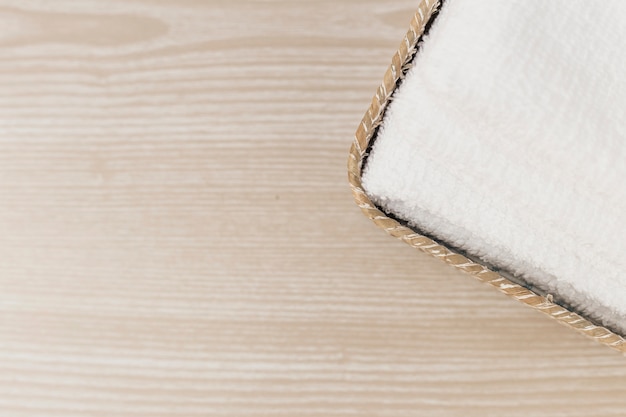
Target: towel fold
{"x": 507, "y": 139}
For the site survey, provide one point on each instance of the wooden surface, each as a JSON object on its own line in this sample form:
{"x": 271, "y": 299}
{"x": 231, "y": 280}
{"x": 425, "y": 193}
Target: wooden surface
{"x": 177, "y": 237}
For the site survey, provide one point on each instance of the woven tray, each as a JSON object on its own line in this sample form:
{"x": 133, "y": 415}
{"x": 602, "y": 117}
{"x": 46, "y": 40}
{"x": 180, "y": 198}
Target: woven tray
{"x": 366, "y": 134}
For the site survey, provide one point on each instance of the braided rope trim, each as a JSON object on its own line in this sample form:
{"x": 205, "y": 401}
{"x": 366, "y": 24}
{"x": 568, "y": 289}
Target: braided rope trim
{"x": 365, "y": 133}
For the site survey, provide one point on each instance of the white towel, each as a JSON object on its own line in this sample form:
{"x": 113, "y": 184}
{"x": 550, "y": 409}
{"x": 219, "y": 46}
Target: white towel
{"x": 507, "y": 139}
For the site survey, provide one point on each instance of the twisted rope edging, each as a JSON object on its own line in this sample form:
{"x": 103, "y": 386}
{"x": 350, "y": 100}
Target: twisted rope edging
{"x": 365, "y": 133}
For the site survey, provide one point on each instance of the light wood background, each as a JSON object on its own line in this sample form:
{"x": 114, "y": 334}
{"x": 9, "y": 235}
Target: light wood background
{"x": 177, "y": 237}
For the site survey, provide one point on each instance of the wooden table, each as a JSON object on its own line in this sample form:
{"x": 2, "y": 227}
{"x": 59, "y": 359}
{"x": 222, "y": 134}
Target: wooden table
{"x": 177, "y": 237}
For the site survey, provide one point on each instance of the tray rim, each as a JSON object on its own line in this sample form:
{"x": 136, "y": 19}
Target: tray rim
{"x": 364, "y": 136}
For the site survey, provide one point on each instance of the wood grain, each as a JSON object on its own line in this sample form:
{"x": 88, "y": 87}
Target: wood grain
{"x": 177, "y": 237}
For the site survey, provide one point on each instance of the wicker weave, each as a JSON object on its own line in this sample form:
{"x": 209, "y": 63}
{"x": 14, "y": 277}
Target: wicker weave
{"x": 364, "y": 136}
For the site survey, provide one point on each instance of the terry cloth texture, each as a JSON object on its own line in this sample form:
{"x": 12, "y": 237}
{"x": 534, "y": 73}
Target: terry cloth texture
{"x": 507, "y": 140}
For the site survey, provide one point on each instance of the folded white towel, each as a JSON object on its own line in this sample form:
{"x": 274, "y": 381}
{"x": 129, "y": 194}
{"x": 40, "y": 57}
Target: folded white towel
{"x": 507, "y": 139}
